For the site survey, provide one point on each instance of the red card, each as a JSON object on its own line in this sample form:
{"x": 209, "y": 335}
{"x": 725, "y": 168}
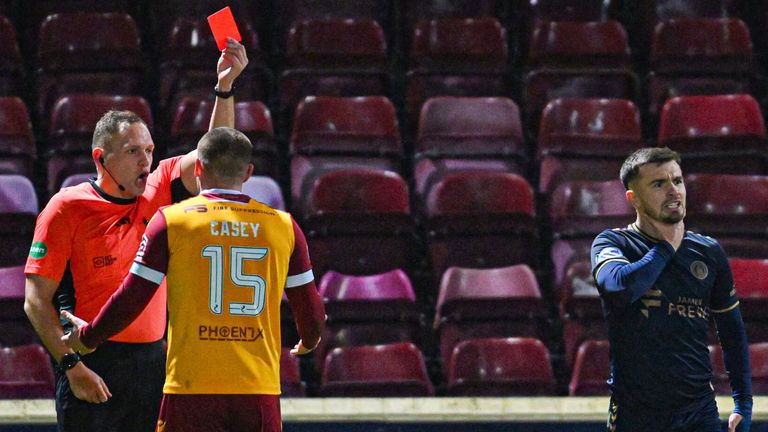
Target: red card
{"x": 223, "y": 26}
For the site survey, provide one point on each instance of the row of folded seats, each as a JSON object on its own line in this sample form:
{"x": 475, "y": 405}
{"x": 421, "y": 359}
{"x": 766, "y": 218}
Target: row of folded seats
{"x": 577, "y": 139}
{"x": 348, "y": 57}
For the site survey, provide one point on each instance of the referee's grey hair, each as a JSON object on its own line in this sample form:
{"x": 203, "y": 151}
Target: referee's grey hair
{"x": 630, "y": 169}
{"x": 225, "y": 153}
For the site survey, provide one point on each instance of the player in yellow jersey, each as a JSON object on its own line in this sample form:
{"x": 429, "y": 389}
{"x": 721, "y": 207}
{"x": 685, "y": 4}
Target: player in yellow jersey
{"x": 227, "y": 260}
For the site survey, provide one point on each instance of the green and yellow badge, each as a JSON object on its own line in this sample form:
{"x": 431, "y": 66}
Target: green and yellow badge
{"x": 38, "y": 250}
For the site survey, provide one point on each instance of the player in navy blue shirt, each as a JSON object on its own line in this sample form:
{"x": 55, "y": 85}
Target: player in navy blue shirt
{"x": 660, "y": 285}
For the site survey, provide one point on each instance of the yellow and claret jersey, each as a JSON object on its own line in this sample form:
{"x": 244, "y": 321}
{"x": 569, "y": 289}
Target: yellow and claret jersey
{"x": 95, "y": 237}
{"x": 227, "y": 259}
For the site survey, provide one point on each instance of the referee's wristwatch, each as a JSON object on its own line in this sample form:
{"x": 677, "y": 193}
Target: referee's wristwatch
{"x": 68, "y": 361}
{"x": 223, "y": 94}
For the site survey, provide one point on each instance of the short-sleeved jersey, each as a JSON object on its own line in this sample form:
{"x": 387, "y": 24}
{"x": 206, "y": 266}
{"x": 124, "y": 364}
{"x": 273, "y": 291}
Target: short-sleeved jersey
{"x": 227, "y": 260}
{"x": 659, "y": 355}
{"x": 96, "y": 236}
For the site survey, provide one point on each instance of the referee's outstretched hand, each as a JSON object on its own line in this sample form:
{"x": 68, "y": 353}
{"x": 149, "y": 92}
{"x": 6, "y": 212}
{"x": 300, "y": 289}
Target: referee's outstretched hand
{"x": 72, "y": 339}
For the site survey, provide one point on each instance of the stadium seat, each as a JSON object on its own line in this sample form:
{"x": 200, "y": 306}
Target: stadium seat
{"x": 574, "y": 44}
{"x": 368, "y": 310}
{"x": 591, "y": 370}
{"x": 11, "y": 62}
{"x": 17, "y": 144}
{"x": 358, "y": 221}
{"x": 266, "y": 190}
{"x": 496, "y": 302}
{"x": 699, "y": 56}
{"x": 71, "y": 60}
{"x": 15, "y": 328}
{"x": 191, "y": 122}
{"x": 346, "y": 126}
{"x": 25, "y": 373}
{"x": 18, "y": 211}
{"x": 187, "y": 59}
{"x": 500, "y": 367}
{"x": 392, "y": 370}
{"x": 70, "y": 131}
{"x": 750, "y": 276}
{"x": 76, "y": 179}
{"x": 758, "y": 359}
{"x": 288, "y": 12}
{"x": 723, "y": 205}
{"x": 291, "y": 383}
{"x": 723, "y": 134}
{"x": 332, "y": 57}
{"x": 480, "y": 219}
{"x": 470, "y": 127}
{"x": 454, "y": 57}
{"x": 585, "y": 208}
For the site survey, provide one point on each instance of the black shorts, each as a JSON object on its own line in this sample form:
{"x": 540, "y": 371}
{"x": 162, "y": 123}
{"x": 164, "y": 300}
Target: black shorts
{"x": 701, "y": 416}
{"x": 134, "y": 374}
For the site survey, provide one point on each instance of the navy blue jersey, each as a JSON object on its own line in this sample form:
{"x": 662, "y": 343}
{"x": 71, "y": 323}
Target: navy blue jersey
{"x": 658, "y": 313}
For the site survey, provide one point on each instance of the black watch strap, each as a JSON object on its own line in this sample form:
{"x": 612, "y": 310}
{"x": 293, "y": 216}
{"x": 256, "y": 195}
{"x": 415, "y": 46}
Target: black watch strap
{"x": 222, "y": 94}
{"x": 68, "y": 361}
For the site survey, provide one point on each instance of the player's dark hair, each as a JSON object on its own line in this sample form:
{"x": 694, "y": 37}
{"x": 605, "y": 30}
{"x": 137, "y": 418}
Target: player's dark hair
{"x": 225, "y": 153}
{"x": 630, "y": 169}
{"x": 109, "y": 125}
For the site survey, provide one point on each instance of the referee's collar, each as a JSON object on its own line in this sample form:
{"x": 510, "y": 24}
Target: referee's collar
{"x": 111, "y": 198}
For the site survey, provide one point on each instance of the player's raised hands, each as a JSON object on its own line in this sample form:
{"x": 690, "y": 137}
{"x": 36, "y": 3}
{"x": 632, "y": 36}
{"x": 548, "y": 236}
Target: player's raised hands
{"x": 232, "y": 62}
{"x": 72, "y": 339}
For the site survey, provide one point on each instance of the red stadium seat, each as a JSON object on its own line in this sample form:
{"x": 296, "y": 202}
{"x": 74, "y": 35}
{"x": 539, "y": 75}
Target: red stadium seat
{"x": 500, "y": 367}
{"x": 70, "y": 131}
{"x": 290, "y": 376}
{"x": 699, "y": 56}
{"x": 722, "y": 134}
{"x": 358, "y": 222}
{"x": 394, "y": 370}
{"x": 191, "y": 122}
{"x": 71, "y": 60}
{"x": 455, "y": 57}
{"x": 346, "y": 126}
{"x": 497, "y": 302}
{"x": 480, "y": 219}
{"x": 25, "y": 373}
{"x": 585, "y": 208}
{"x": 723, "y": 205}
{"x": 470, "y": 127}
{"x": 591, "y": 371}
{"x": 15, "y": 328}
{"x": 368, "y": 310}
{"x": 750, "y": 276}
{"x": 335, "y": 57}
{"x": 17, "y": 144}
{"x": 758, "y": 359}
{"x": 573, "y": 44}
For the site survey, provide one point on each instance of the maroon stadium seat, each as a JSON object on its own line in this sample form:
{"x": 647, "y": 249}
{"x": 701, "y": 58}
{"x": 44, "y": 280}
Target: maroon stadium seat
{"x": 727, "y": 205}
{"x": 70, "y": 131}
{"x": 722, "y": 134}
{"x": 17, "y": 144}
{"x": 500, "y": 367}
{"x": 758, "y": 359}
{"x": 25, "y": 373}
{"x": 573, "y": 44}
{"x": 591, "y": 370}
{"x": 11, "y": 62}
{"x": 358, "y": 222}
{"x": 586, "y": 208}
{"x": 496, "y": 302}
{"x": 71, "y": 60}
{"x": 393, "y": 370}
{"x": 18, "y": 211}
{"x": 480, "y": 219}
{"x": 368, "y": 310}
{"x": 266, "y": 190}
{"x": 750, "y": 276}
{"x": 15, "y": 328}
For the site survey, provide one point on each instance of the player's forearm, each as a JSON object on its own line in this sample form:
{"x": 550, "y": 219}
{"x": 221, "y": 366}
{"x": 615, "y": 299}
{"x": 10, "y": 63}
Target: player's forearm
{"x": 627, "y": 282}
{"x": 120, "y": 311}
{"x": 733, "y": 338}
{"x": 308, "y": 312}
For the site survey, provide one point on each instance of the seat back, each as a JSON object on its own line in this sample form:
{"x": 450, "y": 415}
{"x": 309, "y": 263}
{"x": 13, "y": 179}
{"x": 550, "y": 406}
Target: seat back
{"x": 591, "y": 369}
{"x": 25, "y": 373}
{"x": 359, "y": 191}
{"x": 574, "y": 44}
{"x": 266, "y": 190}
{"x": 500, "y": 367}
{"x": 585, "y": 208}
{"x": 337, "y": 44}
{"x": 455, "y": 44}
{"x": 470, "y": 126}
{"x": 17, "y": 143}
{"x": 727, "y": 205}
{"x": 481, "y": 192}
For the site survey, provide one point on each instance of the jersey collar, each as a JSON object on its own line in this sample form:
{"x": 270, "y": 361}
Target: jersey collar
{"x": 110, "y": 198}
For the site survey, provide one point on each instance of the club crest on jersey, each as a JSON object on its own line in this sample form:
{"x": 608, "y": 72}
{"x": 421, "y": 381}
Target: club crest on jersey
{"x": 699, "y": 270}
